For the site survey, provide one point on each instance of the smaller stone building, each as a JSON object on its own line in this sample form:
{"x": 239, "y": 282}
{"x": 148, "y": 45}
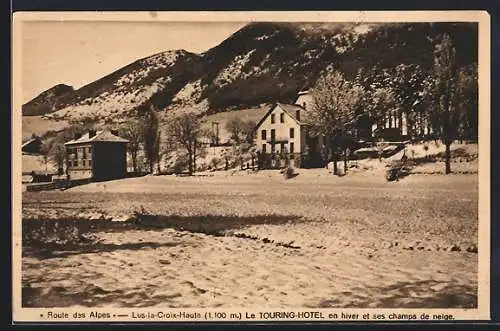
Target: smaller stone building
{"x": 96, "y": 155}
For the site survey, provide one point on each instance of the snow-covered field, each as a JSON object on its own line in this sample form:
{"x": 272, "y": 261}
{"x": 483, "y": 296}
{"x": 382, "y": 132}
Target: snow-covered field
{"x": 258, "y": 240}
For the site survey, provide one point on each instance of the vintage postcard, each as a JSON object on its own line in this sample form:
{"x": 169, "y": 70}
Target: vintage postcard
{"x": 251, "y": 166}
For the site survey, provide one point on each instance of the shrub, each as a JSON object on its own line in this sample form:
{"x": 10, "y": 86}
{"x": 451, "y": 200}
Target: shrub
{"x": 37, "y": 233}
{"x": 288, "y": 172}
{"x": 215, "y": 162}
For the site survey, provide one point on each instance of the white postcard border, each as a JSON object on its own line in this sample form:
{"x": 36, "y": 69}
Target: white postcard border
{"x": 21, "y": 314}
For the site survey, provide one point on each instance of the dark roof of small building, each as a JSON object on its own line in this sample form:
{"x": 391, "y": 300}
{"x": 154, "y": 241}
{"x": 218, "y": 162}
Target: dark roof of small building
{"x": 103, "y": 135}
{"x": 30, "y": 141}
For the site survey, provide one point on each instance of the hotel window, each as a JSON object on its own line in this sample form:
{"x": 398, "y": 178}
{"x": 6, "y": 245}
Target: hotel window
{"x": 292, "y": 133}
{"x": 273, "y": 135}
{"x": 264, "y": 148}
{"x": 75, "y": 163}
{"x": 90, "y": 163}
{"x": 297, "y": 114}
{"x": 83, "y": 163}
{"x": 272, "y": 118}
{"x": 292, "y": 149}
{"x": 282, "y": 118}
{"x": 263, "y": 134}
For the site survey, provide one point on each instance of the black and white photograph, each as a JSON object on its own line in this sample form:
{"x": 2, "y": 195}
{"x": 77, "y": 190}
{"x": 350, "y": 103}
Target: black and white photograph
{"x": 237, "y": 161}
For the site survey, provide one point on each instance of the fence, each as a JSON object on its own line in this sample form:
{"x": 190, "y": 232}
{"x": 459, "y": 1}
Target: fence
{"x": 40, "y": 187}
{"x": 57, "y": 184}
{"x": 283, "y": 160}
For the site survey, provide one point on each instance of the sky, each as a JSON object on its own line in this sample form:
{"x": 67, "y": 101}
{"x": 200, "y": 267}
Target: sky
{"x": 78, "y": 52}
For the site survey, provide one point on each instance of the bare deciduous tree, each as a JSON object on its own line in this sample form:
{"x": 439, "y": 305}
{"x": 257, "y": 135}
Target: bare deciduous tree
{"x": 185, "y": 131}
{"x": 151, "y": 136}
{"x": 240, "y": 130}
{"x": 334, "y": 107}
{"x": 407, "y": 80}
{"x": 382, "y": 101}
{"x": 249, "y": 131}
{"x": 45, "y": 150}
{"x": 133, "y": 132}
{"x": 54, "y": 152}
{"x": 58, "y": 155}
{"x": 467, "y": 102}
{"x": 445, "y": 93}
{"x": 235, "y": 129}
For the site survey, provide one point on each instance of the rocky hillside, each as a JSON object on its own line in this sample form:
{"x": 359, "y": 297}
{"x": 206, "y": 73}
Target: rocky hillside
{"x": 156, "y": 77}
{"x": 47, "y": 101}
{"x": 262, "y": 62}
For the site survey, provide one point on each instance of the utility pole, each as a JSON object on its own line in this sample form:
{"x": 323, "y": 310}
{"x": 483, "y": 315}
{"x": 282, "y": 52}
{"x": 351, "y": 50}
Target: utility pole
{"x": 215, "y": 128}
{"x": 215, "y": 133}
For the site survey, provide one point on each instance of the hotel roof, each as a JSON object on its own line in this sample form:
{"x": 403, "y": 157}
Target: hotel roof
{"x": 103, "y": 136}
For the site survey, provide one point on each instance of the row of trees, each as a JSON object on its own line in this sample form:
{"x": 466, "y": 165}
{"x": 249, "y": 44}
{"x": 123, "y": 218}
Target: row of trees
{"x": 183, "y": 133}
{"x": 444, "y": 99}
{"x": 145, "y": 133}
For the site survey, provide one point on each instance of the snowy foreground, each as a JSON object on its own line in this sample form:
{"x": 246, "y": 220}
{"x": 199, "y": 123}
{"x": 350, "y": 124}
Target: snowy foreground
{"x": 258, "y": 240}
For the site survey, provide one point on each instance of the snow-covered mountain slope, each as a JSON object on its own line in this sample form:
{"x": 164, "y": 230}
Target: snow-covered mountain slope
{"x": 260, "y": 63}
{"x": 121, "y": 92}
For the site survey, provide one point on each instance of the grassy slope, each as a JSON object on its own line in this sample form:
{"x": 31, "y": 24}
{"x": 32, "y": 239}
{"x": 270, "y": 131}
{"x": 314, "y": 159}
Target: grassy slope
{"x": 252, "y": 114}
{"x": 39, "y": 125}
{"x": 36, "y": 163}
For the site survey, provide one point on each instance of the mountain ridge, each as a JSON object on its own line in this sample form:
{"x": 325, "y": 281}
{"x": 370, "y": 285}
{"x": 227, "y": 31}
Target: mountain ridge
{"x": 262, "y": 62}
